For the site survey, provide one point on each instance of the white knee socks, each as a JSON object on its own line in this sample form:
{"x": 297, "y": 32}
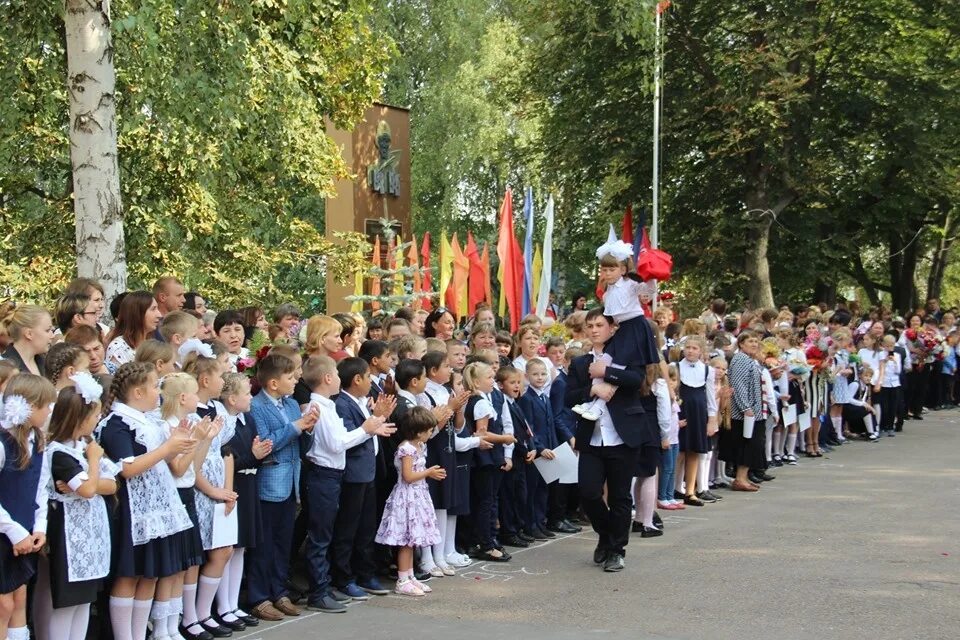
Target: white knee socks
{"x": 768, "y": 441}
{"x": 189, "y": 605}
{"x": 437, "y": 551}
{"x": 703, "y": 472}
{"x": 206, "y": 590}
{"x": 450, "y": 541}
{"x": 646, "y": 497}
{"x": 777, "y": 442}
{"x": 138, "y": 622}
{"x": 228, "y": 593}
{"x": 18, "y": 633}
{"x": 69, "y": 623}
{"x": 121, "y": 618}
{"x": 175, "y": 607}
{"x": 838, "y": 426}
{"x": 791, "y": 443}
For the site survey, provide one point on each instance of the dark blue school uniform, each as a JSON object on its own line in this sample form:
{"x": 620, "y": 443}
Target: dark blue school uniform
{"x": 514, "y": 511}
{"x": 693, "y": 437}
{"x": 18, "y": 490}
{"x": 539, "y": 412}
{"x": 485, "y": 477}
{"x": 441, "y": 450}
{"x": 245, "y": 466}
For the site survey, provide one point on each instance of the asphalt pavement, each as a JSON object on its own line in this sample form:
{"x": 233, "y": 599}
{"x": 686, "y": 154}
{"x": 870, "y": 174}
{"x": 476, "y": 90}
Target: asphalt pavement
{"x": 862, "y": 543}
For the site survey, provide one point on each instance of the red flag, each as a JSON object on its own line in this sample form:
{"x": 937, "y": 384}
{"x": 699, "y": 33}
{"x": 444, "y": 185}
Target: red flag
{"x": 600, "y": 289}
{"x": 644, "y": 241}
{"x": 663, "y": 6}
{"x": 427, "y": 284}
{"x": 476, "y": 290}
{"x": 485, "y": 265}
{"x": 511, "y": 259}
{"x": 627, "y": 234}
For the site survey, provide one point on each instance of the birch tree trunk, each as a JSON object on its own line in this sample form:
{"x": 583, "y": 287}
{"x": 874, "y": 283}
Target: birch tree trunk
{"x": 93, "y": 144}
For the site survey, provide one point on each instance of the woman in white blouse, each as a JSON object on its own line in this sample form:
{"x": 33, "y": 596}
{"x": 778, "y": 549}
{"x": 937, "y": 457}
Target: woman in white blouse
{"x": 136, "y": 321}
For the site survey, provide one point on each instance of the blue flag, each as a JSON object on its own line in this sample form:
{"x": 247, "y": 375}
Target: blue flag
{"x": 528, "y": 301}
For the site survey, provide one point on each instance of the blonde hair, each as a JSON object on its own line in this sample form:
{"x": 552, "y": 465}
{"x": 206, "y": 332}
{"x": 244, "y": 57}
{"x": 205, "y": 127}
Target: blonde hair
{"x": 697, "y": 340}
{"x": 408, "y": 345}
{"x": 173, "y": 385}
{"x": 841, "y": 334}
{"x": 153, "y": 351}
{"x": 38, "y": 392}
{"x": 436, "y": 344}
{"x": 16, "y": 320}
{"x": 318, "y": 327}
{"x": 232, "y": 384}
{"x": 315, "y": 368}
{"x": 608, "y": 260}
{"x": 535, "y": 362}
{"x": 472, "y": 374}
{"x": 693, "y": 327}
{"x": 178, "y": 322}
{"x": 575, "y": 321}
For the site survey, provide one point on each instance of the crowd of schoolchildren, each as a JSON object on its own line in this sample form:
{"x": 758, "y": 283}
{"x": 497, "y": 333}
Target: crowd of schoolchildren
{"x": 160, "y": 468}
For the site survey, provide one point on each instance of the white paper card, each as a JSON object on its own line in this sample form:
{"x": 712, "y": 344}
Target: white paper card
{"x": 804, "y": 420}
{"x": 563, "y": 467}
{"x": 789, "y": 414}
{"x": 224, "y": 526}
{"x": 748, "y": 422}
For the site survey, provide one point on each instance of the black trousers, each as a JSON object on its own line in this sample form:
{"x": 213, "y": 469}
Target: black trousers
{"x": 270, "y": 567}
{"x": 513, "y": 499}
{"x": 351, "y": 552}
{"x": 613, "y": 467}
{"x": 485, "y": 486}
{"x": 323, "y": 485}
{"x": 557, "y": 497}
{"x": 917, "y": 392}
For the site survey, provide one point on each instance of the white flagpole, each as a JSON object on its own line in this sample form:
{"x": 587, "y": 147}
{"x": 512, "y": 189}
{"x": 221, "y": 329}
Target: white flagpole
{"x": 655, "y": 222}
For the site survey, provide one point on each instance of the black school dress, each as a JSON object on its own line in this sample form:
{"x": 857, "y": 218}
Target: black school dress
{"x": 648, "y": 454}
{"x": 65, "y": 468}
{"x": 441, "y": 451}
{"x": 249, "y": 527}
{"x": 157, "y": 558}
{"x": 693, "y": 437}
{"x": 17, "y": 490}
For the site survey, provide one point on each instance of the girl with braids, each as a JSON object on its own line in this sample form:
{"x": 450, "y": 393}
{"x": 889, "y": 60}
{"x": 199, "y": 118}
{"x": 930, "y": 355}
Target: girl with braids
{"x": 64, "y": 361}
{"x": 78, "y": 527}
{"x": 26, "y": 407}
{"x": 149, "y": 512}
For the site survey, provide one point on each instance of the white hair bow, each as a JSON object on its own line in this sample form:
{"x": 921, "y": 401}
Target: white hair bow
{"x": 616, "y": 248}
{"x": 87, "y": 387}
{"x": 16, "y": 411}
{"x": 193, "y": 345}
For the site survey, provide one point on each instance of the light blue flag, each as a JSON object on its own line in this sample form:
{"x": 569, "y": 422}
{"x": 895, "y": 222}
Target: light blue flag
{"x": 528, "y": 301}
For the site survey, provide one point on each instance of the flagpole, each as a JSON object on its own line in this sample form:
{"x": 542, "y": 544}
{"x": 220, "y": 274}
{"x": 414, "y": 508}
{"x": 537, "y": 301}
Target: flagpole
{"x": 655, "y": 223}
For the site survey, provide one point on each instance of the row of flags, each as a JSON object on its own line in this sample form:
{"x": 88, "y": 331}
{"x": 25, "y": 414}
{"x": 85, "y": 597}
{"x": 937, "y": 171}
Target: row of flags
{"x": 525, "y": 275}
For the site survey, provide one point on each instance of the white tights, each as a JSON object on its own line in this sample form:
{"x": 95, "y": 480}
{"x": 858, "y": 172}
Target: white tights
{"x": 70, "y": 623}
{"x": 645, "y": 497}
{"x": 434, "y": 556}
{"x": 228, "y": 595}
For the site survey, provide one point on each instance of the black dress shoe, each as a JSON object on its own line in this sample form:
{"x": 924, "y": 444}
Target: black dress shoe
{"x": 706, "y": 496}
{"x": 636, "y": 527}
{"x": 754, "y": 478}
{"x": 678, "y": 496}
{"x": 576, "y": 528}
{"x": 234, "y": 625}
{"x": 537, "y": 535}
{"x": 215, "y": 630}
{"x": 562, "y": 527}
{"x": 526, "y": 537}
{"x": 250, "y": 621}
{"x": 514, "y": 541}
{"x": 546, "y": 533}
{"x": 650, "y": 532}
{"x": 422, "y": 576}
{"x": 190, "y": 635}
{"x": 657, "y": 520}
{"x": 599, "y": 555}
{"x": 613, "y": 563}
{"x": 692, "y": 501}
{"x": 767, "y": 477}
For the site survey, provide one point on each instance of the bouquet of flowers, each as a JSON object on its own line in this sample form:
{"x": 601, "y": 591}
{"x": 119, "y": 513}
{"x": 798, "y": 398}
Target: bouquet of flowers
{"x": 818, "y": 353}
{"x": 258, "y": 347}
{"x": 926, "y": 344}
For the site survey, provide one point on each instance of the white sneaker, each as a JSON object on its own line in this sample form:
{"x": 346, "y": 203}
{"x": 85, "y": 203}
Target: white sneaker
{"x": 457, "y": 560}
{"x": 447, "y": 570}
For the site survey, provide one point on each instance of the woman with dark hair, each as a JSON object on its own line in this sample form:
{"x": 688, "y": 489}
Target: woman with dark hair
{"x": 578, "y": 302}
{"x": 745, "y": 439}
{"x": 193, "y": 301}
{"x": 137, "y": 319}
{"x": 253, "y": 319}
{"x": 439, "y": 324}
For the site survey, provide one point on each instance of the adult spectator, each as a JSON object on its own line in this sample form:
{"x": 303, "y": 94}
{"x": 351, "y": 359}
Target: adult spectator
{"x": 288, "y": 315}
{"x": 169, "y": 294}
{"x": 578, "y": 302}
{"x": 94, "y": 290}
{"x": 742, "y": 450}
{"x": 30, "y": 329}
{"x": 440, "y": 324}
{"x": 609, "y": 447}
{"x": 88, "y": 339}
{"x": 396, "y": 328}
{"x": 74, "y": 309}
{"x": 348, "y": 336}
{"x": 138, "y": 317}
{"x": 193, "y": 301}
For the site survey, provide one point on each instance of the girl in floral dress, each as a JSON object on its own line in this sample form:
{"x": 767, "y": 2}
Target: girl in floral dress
{"x": 408, "y": 517}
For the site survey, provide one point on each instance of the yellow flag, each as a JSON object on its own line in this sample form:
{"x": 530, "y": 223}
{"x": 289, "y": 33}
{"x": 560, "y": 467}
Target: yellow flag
{"x": 397, "y": 264}
{"x": 446, "y": 266}
{"x": 502, "y": 305}
{"x": 537, "y": 267}
{"x": 357, "y": 305}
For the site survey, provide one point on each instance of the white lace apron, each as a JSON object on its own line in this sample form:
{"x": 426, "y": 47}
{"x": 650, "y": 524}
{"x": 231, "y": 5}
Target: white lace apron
{"x": 86, "y": 525}
{"x": 155, "y": 507}
{"x": 214, "y": 470}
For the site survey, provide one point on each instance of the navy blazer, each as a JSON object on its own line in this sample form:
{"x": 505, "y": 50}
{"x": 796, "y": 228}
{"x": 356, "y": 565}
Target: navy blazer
{"x": 541, "y": 420}
{"x": 277, "y": 481}
{"x": 361, "y": 459}
{"x": 566, "y": 419}
{"x": 624, "y": 407}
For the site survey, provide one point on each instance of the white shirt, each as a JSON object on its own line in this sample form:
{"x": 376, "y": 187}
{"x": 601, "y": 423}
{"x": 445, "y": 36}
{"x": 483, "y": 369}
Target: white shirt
{"x": 362, "y": 403}
{"x": 436, "y": 392}
{"x": 771, "y": 394}
{"x": 664, "y": 407}
{"x": 872, "y": 359}
{"x": 40, "y": 515}
{"x": 604, "y": 433}
{"x": 621, "y": 300}
{"x": 891, "y": 371}
{"x": 330, "y": 438}
{"x": 696, "y": 375}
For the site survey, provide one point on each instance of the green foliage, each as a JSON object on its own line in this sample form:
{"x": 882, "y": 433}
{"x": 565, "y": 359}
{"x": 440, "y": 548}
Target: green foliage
{"x": 224, "y": 158}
